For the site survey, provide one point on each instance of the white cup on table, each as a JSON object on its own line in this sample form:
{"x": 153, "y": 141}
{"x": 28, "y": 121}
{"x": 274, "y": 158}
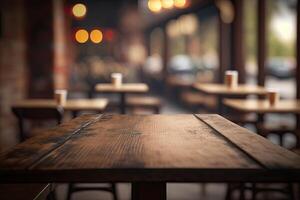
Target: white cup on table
{"x": 116, "y": 79}
{"x": 60, "y": 96}
{"x": 231, "y": 78}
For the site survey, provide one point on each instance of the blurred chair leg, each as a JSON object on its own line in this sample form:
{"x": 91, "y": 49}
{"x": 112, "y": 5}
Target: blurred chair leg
{"x": 52, "y": 194}
{"x": 228, "y": 192}
{"x": 242, "y": 191}
{"x": 291, "y": 193}
{"x": 253, "y": 191}
{"x": 70, "y": 191}
{"x": 114, "y": 191}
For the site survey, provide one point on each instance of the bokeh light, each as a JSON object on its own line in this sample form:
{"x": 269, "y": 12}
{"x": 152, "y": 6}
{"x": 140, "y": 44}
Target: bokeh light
{"x": 96, "y": 36}
{"x": 109, "y": 34}
{"x": 154, "y": 5}
{"x": 180, "y": 3}
{"x": 81, "y": 36}
{"x": 167, "y": 4}
{"x": 79, "y": 10}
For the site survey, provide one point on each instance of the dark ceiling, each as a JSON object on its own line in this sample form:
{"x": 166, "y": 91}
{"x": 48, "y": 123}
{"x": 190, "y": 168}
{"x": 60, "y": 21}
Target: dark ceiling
{"x": 101, "y": 13}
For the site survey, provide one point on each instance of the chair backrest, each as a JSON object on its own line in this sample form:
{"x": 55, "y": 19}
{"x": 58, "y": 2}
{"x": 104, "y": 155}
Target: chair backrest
{"x": 38, "y": 114}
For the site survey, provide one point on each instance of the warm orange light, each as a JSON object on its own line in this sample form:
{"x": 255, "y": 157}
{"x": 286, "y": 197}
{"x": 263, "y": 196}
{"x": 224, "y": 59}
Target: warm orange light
{"x": 79, "y": 10}
{"x": 167, "y": 4}
{"x": 180, "y": 3}
{"x": 109, "y": 35}
{"x": 96, "y": 36}
{"x": 81, "y": 36}
{"x": 154, "y": 5}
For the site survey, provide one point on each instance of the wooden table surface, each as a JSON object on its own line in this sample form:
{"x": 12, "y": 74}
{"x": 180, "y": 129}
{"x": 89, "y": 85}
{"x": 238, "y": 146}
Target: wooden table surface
{"x": 146, "y": 149}
{"x": 71, "y": 104}
{"x": 263, "y": 106}
{"x": 125, "y": 87}
{"x": 222, "y": 89}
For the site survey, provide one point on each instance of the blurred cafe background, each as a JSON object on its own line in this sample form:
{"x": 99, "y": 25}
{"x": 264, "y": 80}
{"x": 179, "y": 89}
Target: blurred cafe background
{"x": 170, "y": 45}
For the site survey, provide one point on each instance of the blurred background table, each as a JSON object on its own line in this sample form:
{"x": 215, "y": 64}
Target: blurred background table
{"x": 125, "y": 88}
{"x": 221, "y": 91}
{"x": 262, "y": 107}
{"x": 73, "y": 105}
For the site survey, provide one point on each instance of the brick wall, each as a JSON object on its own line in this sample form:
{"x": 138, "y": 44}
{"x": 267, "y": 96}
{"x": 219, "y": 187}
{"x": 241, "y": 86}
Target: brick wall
{"x": 35, "y": 54}
{"x": 12, "y": 67}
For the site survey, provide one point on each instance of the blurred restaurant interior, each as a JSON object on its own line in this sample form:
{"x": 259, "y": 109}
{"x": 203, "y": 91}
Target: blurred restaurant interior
{"x": 236, "y": 58}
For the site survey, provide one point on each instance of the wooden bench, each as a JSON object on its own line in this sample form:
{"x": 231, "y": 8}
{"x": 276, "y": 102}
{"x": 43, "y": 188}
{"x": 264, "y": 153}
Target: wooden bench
{"x": 26, "y": 192}
{"x": 195, "y": 99}
{"x": 146, "y": 102}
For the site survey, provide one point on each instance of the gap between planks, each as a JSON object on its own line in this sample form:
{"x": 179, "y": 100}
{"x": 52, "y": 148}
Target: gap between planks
{"x": 76, "y": 132}
{"x": 232, "y": 143}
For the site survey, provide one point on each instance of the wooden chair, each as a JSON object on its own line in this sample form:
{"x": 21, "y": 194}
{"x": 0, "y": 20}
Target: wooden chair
{"x": 77, "y": 188}
{"x": 31, "y": 191}
{"x": 44, "y": 114}
{"x": 286, "y": 189}
{"x": 145, "y": 102}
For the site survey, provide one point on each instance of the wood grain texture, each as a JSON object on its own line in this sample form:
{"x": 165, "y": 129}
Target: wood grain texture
{"x": 263, "y": 106}
{"x": 269, "y": 155}
{"x": 222, "y": 89}
{"x": 71, "y": 104}
{"x": 147, "y": 142}
{"x": 157, "y": 148}
{"x": 24, "y": 155}
{"x": 124, "y": 88}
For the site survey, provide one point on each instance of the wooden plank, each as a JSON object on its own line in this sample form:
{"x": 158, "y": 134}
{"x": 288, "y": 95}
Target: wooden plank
{"x": 26, "y": 154}
{"x": 147, "y": 142}
{"x": 126, "y": 88}
{"x": 266, "y": 153}
{"x": 263, "y": 106}
{"x": 222, "y": 89}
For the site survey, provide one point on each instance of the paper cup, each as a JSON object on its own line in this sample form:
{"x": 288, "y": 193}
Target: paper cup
{"x": 273, "y": 97}
{"x": 116, "y": 79}
{"x": 60, "y": 97}
{"x": 231, "y": 79}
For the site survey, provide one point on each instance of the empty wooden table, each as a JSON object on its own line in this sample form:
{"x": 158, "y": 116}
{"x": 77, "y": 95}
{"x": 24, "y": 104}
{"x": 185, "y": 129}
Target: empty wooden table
{"x": 73, "y": 105}
{"x": 148, "y": 150}
{"x": 221, "y": 91}
{"x": 122, "y": 90}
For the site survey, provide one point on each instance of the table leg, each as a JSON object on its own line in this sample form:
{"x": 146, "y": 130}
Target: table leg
{"x": 220, "y": 104}
{"x": 122, "y": 103}
{"x": 148, "y": 191}
{"x": 74, "y": 113}
{"x": 297, "y": 132}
